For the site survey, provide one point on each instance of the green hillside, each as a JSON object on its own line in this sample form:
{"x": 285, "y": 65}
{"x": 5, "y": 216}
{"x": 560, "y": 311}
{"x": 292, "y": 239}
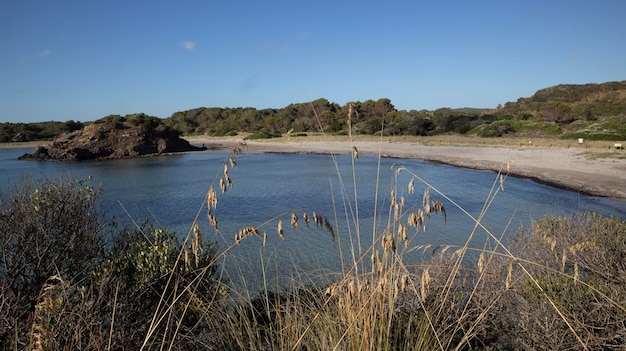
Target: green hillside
{"x": 592, "y": 111}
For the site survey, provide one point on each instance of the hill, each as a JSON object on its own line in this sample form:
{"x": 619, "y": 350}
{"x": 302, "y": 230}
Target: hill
{"x": 592, "y": 111}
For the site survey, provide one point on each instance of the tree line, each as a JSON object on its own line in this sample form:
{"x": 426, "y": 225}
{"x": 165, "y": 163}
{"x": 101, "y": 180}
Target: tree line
{"x": 315, "y": 116}
{"x": 21, "y": 132}
{"x": 562, "y": 110}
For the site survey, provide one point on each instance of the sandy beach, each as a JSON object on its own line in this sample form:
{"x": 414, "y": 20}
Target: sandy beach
{"x": 570, "y": 167}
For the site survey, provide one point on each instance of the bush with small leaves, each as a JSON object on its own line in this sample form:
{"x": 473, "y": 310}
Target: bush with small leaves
{"x": 47, "y": 228}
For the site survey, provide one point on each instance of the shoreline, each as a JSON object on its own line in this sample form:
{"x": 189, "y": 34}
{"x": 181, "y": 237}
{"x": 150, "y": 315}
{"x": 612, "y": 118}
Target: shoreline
{"x": 566, "y": 166}
{"x": 570, "y": 168}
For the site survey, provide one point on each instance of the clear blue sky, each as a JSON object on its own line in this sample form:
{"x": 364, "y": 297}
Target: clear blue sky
{"x": 82, "y": 60}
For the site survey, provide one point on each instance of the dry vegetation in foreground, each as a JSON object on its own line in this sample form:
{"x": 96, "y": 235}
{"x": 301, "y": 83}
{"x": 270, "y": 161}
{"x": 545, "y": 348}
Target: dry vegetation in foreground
{"x": 558, "y": 285}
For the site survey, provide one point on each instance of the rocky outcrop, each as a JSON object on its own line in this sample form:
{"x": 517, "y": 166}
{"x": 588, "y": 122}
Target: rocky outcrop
{"x": 104, "y": 141}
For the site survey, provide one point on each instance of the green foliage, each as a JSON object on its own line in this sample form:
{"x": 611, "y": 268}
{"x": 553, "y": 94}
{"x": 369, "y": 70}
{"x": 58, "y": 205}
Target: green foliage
{"x": 21, "y": 132}
{"x": 115, "y": 119}
{"x": 511, "y": 126}
{"x": 263, "y": 134}
{"x": 298, "y": 134}
{"x": 147, "y": 123}
{"x": 487, "y": 131}
{"x": 606, "y": 128}
{"x": 550, "y": 111}
{"x": 148, "y": 264}
{"x": 566, "y": 103}
{"x": 556, "y": 111}
{"x": 62, "y": 286}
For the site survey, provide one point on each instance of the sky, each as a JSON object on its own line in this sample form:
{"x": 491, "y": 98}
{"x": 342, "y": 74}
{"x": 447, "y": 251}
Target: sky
{"x": 83, "y": 60}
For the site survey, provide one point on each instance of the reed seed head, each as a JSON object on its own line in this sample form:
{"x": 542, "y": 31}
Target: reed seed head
{"x": 223, "y": 185}
{"x": 405, "y": 280}
{"x": 212, "y": 198}
{"x": 509, "y": 275}
{"x": 481, "y": 262}
{"x": 212, "y": 220}
{"x": 438, "y": 207}
{"x": 197, "y": 246}
{"x": 396, "y": 211}
{"x": 389, "y": 243}
{"x": 329, "y": 228}
{"x": 425, "y": 284}
{"x": 294, "y": 220}
{"x": 317, "y": 219}
{"x": 245, "y": 232}
{"x": 186, "y": 257}
{"x": 281, "y": 233}
{"x": 402, "y": 234}
{"x": 50, "y": 300}
{"x": 426, "y": 197}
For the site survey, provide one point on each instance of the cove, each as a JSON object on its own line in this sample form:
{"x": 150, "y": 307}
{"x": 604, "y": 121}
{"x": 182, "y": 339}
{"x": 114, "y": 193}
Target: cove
{"x": 268, "y": 187}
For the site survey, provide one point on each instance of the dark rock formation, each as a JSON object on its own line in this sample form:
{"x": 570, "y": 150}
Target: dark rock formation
{"x": 104, "y": 141}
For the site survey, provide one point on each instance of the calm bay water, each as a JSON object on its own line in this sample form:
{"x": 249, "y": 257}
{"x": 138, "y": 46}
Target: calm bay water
{"x": 170, "y": 191}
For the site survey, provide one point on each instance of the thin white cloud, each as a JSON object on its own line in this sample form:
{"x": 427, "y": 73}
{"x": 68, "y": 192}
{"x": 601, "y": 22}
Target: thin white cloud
{"x": 269, "y": 46}
{"x": 45, "y": 53}
{"x": 188, "y": 45}
{"x": 303, "y": 36}
{"x": 265, "y": 46}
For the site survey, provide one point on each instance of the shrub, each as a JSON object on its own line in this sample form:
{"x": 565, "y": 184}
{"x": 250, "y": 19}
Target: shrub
{"x": 489, "y": 130}
{"x": 63, "y": 287}
{"x": 575, "y": 299}
{"x": 263, "y": 134}
{"x": 148, "y": 267}
{"x": 47, "y": 228}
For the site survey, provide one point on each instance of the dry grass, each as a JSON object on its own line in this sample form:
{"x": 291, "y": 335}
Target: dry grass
{"x": 618, "y": 154}
{"x": 383, "y": 304}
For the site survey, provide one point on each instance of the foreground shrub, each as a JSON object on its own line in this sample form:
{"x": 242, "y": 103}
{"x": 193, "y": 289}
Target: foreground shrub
{"x": 148, "y": 270}
{"x": 577, "y": 298}
{"x": 47, "y": 228}
{"x": 63, "y": 287}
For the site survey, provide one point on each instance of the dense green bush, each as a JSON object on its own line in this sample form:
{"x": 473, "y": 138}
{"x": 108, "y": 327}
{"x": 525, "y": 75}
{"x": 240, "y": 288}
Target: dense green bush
{"x": 149, "y": 266}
